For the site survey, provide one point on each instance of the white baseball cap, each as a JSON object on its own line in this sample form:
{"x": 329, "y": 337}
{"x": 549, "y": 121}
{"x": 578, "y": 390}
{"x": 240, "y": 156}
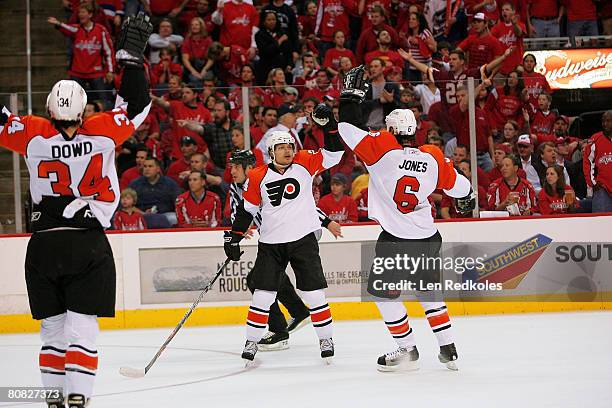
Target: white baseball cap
{"x": 479, "y": 16}
{"x": 524, "y": 140}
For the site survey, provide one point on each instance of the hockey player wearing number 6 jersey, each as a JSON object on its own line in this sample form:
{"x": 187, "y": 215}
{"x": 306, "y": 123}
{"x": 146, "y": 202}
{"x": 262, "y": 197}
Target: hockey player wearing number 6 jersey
{"x": 69, "y": 266}
{"x": 401, "y": 179}
{"x": 281, "y": 193}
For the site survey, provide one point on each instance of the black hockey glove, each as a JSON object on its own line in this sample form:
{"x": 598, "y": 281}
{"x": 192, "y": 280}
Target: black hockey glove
{"x": 466, "y": 205}
{"x": 322, "y": 115}
{"x": 354, "y": 85}
{"x": 132, "y": 40}
{"x": 231, "y": 245}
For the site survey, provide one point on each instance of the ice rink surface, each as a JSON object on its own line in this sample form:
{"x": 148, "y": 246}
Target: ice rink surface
{"x": 534, "y": 360}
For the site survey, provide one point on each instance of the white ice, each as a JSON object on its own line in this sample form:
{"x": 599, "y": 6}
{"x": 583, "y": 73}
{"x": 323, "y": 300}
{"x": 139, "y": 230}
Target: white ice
{"x": 537, "y": 360}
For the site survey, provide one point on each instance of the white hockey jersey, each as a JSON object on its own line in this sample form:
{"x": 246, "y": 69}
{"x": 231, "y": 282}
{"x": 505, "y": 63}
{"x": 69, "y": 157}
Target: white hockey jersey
{"x": 82, "y": 167}
{"x": 284, "y": 202}
{"x": 401, "y": 179}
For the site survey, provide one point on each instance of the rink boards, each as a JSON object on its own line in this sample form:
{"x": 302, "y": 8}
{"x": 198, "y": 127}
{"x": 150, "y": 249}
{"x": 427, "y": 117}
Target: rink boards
{"x": 159, "y": 273}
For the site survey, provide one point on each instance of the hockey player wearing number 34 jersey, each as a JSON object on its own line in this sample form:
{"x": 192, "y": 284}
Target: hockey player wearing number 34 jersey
{"x": 69, "y": 266}
{"x": 281, "y": 193}
{"x": 401, "y": 179}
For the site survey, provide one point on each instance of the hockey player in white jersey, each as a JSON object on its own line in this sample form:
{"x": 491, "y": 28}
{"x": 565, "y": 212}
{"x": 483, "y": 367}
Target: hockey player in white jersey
{"x": 281, "y": 193}
{"x": 69, "y": 267}
{"x": 401, "y": 179}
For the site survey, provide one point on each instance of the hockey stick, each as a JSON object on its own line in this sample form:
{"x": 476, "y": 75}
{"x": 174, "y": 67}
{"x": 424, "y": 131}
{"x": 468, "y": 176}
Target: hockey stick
{"x": 141, "y": 372}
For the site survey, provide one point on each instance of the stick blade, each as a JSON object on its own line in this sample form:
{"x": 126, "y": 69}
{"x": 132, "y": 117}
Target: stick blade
{"x": 132, "y": 372}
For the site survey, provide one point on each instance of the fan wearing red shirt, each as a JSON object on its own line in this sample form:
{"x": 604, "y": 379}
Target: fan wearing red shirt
{"x": 447, "y": 205}
{"x": 188, "y": 108}
{"x": 384, "y": 52}
{"x": 179, "y": 169}
{"x": 543, "y": 119}
{"x": 362, "y": 205}
{"x": 510, "y": 32}
{"x": 332, "y": 16}
{"x": 324, "y": 87}
{"x": 238, "y": 22}
{"x": 229, "y": 61}
{"x": 500, "y": 151}
{"x": 581, "y": 17}
{"x": 488, "y": 8}
{"x": 511, "y": 189}
{"x": 133, "y": 173}
{"x": 597, "y": 165}
{"x": 423, "y": 126}
{"x": 198, "y": 207}
{"x": 165, "y": 68}
{"x": 480, "y": 47}
{"x": 507, "y": 102}
{"x": 194, "y": 49}
{"x": 544, "y": 17}
{"x": 368, "y": 40}
{"x": 128, "y": 217}
{"x": 333, "y": 56}
{"x": 365, "y": 9}
{"x": 164, "y": 7}
{"x": 484, "y": 138}
{"x": 308, "y": 22}
{"x": 556, "y": 197}
{"x": 338, "y": 206}
{"x": 535, "y": 83}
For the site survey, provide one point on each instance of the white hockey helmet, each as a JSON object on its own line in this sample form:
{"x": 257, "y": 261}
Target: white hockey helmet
{"x": 66, "y": 101}
{"x": 402, "y": 122}
{"x": 278, "y": 137}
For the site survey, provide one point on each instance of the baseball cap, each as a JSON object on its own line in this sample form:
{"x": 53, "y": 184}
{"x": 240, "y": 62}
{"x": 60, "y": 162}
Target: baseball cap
{"x": 524, "y": 140}
{"x": 563, "y": 118}
{"x": 479, "y": 16}
{"x": 186, "y": 140}
{"x": 290, "y": 90}
{"x": 339, "y": 178}
{"x": 563, "y": 140}
{"x": 285, "y": 109}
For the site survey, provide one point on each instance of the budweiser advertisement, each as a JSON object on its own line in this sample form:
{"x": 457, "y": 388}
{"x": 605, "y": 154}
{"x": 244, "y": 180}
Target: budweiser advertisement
{"x": 575, "y": 69}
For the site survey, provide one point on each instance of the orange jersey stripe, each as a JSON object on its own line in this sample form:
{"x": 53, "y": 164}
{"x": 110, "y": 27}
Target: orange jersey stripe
{"x": 253, "y": 188}
{"x": 438, "y": 320}
{"x": 375, "y": 145}
{"x": 51, "y": 361}
{"x": 78, "y": 358}
{"x": 257, "y": 318}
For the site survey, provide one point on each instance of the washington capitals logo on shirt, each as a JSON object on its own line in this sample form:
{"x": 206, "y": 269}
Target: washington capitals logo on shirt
{"x": 285, "y": 188}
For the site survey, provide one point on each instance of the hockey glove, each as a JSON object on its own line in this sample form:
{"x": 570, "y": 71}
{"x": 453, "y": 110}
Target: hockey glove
{"x": 466, "y": 205}
{"x": 322, "y": 115}
{"x": 231, "y": 245}
{"x": 132, "y": 40}
{"x": 354, "y": 85}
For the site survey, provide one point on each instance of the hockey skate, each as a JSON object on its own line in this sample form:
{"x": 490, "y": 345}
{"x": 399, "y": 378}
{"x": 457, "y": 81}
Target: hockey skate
{"x": 55, "y": 402}
{"x": 402, "y": 359}
{"x": 274, "y": 341}
{"x": 76, "y": 401}
{"x": 295, "y": 324}
{"x": 248, "y": 354}
{"x": 448, "y": 356}
{"x": 327, "y": 349}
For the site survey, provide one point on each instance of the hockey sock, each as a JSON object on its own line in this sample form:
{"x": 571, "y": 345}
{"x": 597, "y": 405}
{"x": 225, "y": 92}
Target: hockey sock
{"x": 257, "y": 319}
{"x": 319, "y": 313}
{"x": 52, "y": 357}
{"x": 395, "y": 317}
{"x": 438, "y": 319}
{"x": 81, "y": 356}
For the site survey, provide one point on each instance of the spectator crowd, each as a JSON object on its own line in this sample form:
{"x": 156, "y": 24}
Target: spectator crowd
{"x": 292, "y": 55}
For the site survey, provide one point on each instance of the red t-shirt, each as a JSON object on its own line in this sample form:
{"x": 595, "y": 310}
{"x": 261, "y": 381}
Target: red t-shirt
{"x": 344, "y": 210}
{"x": 332, "y": 16}
{"x": 541, "y": 123}
{"x": 504, "y": 108}
{"x": 543, "y": 8}
{"x": 158, "y": 70}
{"x": 128, "y": 176}
{"x": 196, "y": 47}
{"x": 238, "y": 23}
{"x": 189, "y": 210}
{"x": 481, "y": 50}
{"x": 504, "y": 32}
{"x": 176, "y": 168}
{"x": 333, "y": 56}
{"x": 230, "y": 68}
{"x": 319, "y": 94}
{"x": 162, "y": 7}
{"x": 367, "y": 12}
{"x": 308, "y": 23}
{"x": 553, "y": 204}
{"x": 580, "y": 10}
{"x": 421, "y": 132}
{"x": 535, "y": 83}
{"x": 178, "y": 110}
{"x": 462, "y": 128}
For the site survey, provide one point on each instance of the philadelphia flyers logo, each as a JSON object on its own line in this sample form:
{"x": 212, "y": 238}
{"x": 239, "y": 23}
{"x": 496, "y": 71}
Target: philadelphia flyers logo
{"x": 284, "y": 188}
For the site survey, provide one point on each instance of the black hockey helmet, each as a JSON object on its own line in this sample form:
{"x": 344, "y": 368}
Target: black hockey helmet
{"x": 243, "y": 157}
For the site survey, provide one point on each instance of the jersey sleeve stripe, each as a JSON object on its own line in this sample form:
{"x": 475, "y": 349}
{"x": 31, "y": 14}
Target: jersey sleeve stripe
{"x": 374, "y": 146}
{"x": 252, "y": 195}
{"x": 446, "y": 171}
